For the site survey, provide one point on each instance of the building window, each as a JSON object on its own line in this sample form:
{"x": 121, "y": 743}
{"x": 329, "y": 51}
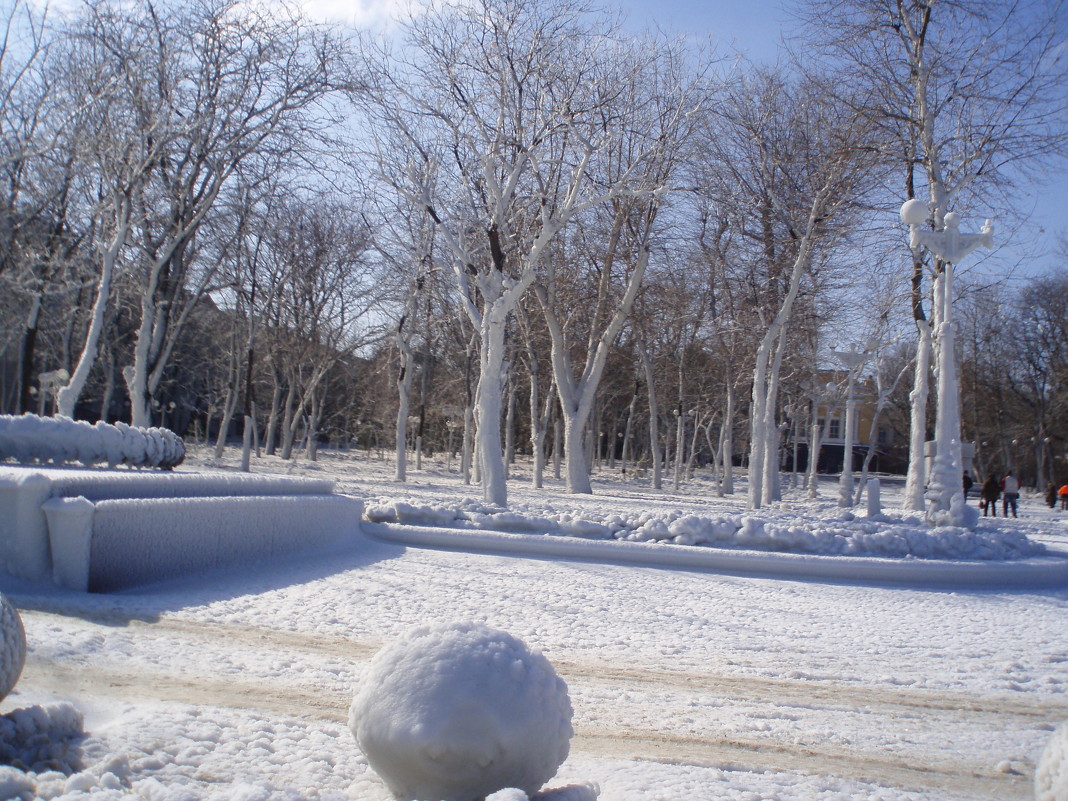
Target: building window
{"x": 884, "y": 436}
{"x": 834, "y": 429}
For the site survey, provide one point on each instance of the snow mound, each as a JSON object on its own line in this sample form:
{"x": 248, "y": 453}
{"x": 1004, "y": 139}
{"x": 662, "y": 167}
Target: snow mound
{"x": 1051, "y": 772}
{"x": 12, "y": 646}
{"x": 456, "y": 712}
{"x": 886, "y": 536}
{"x": 39, "y": 740}
{"x": 30, "y": 439}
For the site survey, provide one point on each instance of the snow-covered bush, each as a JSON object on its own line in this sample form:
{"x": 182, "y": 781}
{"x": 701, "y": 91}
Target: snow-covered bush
{"x": 12, "y": 647}
{"x": 1051, "y": 771}
{"x": 457, "y": 712}
{"x": 29, "y": 439}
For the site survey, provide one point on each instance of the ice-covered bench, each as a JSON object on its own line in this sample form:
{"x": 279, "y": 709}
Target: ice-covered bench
{"x": 101, "y": 530}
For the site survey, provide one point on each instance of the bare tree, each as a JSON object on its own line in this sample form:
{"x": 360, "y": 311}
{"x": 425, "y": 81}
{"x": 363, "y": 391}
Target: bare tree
{"x": 659, "y": 104}
{"x": 186, "y": 97}
{"x": 974, "y": 94}
{"x": 491, "y": 118}
{"x": 794, "y": 159}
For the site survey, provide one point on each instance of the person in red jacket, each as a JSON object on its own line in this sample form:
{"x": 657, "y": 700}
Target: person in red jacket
{"x": 1062, "y": 493}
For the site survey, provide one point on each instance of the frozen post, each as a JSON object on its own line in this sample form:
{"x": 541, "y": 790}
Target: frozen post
{"x": 875, "y": 507}
{"x": 945, "y": 492}
{"x": 853, "y": 360}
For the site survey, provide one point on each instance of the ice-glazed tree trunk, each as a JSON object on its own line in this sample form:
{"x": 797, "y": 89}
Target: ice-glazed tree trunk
{"x": 727, "y": 448}
{"x": 489, "y": 402}
{"x": 67, "y": 397}
{"x": 577, "y": 394}
{"x": 772, "y": 488}
{"x": 763, "y": 432}
{"x": 845, "y": 483}
{"x": 916, "y": 478}
{"x": 404, "y": 394}
{"x": 654, "y": 415}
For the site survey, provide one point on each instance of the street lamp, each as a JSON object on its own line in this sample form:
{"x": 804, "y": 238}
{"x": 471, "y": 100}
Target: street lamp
{"x": 950, "y": 245}
{"x": 853, "y": 360}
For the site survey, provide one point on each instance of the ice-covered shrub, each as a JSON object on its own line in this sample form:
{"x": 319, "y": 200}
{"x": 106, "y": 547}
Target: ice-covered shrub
{"x": 460, "y": 711}
{"x": 12, "y": 646}
{"x": 1051, "y": 771}
{"x": 29, "y": 439}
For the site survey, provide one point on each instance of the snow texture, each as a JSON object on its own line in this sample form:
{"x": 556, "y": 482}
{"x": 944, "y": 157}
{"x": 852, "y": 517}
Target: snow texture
{"x": 1051, "y": 771}
{"x": 12, "y": 647}
{"x": 37, "y": 745}
{"x": 844, "y": 534}
{"x": 30, "y": 439}
{"x": 459, "y": 711}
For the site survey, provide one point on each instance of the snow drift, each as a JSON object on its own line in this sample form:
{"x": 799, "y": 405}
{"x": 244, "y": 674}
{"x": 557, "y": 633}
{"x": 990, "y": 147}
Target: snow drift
{"x": 459, "y": 711}
{"x": 30, "y": 439}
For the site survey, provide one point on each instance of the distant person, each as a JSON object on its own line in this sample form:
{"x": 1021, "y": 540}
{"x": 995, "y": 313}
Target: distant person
{"x": 1010, "y": 489}
{"x": 991, "y": 493}
{"x": 1062, "y": 493}
{"x": 968, "y": 484}
{"x": 1051, "y": 495}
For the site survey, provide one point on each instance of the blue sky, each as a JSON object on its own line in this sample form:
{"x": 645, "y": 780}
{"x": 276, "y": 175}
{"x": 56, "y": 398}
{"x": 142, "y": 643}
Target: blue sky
{"x": 754, "y": 26}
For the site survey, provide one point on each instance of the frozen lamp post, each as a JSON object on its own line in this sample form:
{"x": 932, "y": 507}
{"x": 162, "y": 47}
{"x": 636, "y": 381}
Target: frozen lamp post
{"x": 945, "y": 492}
{"x": 51, "y": 382}
{"x": 853, "y": 360}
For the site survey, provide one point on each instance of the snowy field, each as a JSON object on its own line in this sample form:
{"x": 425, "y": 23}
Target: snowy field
{"x": 687, "y": 684}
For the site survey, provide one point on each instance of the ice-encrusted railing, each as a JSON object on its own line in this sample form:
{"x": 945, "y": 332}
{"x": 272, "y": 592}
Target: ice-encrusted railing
{"x": 30, "y": 439}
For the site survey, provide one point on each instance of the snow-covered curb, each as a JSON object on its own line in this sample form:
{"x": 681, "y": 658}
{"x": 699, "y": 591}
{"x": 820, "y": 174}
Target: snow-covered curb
{"x": 1047, "y": 571}
{"x": 29, "y": 439}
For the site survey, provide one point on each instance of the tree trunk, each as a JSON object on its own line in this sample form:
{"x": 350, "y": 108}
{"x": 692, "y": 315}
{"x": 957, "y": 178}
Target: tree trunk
{"x": 67, "y": 397}
{"x": 272, "y": 418}
{"x": 488, "y": 408}
{"x": 916, "y": 478}
{"x": 654, "y": 414}
{"x": 404, "y": 392}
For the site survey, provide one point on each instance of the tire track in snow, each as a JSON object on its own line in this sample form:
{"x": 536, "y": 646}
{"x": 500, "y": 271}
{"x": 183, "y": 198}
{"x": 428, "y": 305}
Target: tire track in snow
{"x": 614, "y": 740}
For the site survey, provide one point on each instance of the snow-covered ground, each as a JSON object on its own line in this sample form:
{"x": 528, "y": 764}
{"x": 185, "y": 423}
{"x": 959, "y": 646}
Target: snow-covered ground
{"x": 686, "y": 683}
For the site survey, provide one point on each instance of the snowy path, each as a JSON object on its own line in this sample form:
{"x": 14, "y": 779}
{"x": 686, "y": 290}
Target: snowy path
{"x": 609, "y": 699}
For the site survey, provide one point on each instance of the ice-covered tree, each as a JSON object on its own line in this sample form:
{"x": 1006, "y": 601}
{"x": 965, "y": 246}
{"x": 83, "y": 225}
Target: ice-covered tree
{"x": 184, "y": 97}
{"x": 789, "y": 161}
{"x": 975, "y": 96}
{"x": 491, "y": 117}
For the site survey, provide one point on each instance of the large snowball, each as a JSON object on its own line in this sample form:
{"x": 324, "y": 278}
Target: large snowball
{"x": 12, "y": 647}
{"x": 1051, "y": 772}
{"x": 460, "y": 711}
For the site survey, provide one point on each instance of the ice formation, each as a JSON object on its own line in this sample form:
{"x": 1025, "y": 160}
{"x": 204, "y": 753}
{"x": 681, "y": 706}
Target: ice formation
{"x": 12, "y": 647}
{"x": 459, "y": 711}
{"x": 29, "y": 439}
{"x": 793, "y": 531}
{"x": 1051, "y": 772}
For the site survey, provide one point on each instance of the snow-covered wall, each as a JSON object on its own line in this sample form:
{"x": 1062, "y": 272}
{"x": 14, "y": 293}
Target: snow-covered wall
{"x": 170, "y": 523}
{"x": 138, "y": 541}
{"x": 29, "y": 439}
